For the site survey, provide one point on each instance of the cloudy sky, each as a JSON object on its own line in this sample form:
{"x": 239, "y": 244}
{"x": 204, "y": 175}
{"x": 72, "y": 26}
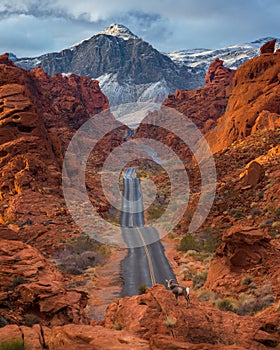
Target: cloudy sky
{"x": 34, "y": 27}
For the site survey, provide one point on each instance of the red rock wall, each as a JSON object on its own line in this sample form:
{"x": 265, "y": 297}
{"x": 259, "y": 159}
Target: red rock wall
{"x": 205, "y": 105}
{"x": 254, "y": 103}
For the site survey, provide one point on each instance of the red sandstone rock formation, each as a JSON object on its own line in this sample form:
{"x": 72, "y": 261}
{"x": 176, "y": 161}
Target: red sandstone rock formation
{"x": 244, "y": 250}
{"x": 253, "y": 104}
{"x": 154, "y": 314}
{"x": 205, "y": 105}
{"x": 38, "y": 116}
{"x": 152, "y": 321}
{"x": 30, "y": 284}
{"x": 202, "y": 107}
{"x": 268, "y": 47}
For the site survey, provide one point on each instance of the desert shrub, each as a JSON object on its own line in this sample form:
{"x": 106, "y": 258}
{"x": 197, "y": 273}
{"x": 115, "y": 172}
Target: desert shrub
{"x": 247, "y": 280}
{"x": 16, "y": 344}
{"x": 170, "y": 321}
{"x": 17, "y": 280}
{"x": 117, "y": 326}
{"x": 206, "y": 295}
{"x": 263, "y": 290}
{"x": 30, "y": 320}
{"x": 266, "y": 301}
{"x": 226, "y": 305}
{"x": 82, "y": 253}
{"x": 277, "y": 212}
{"x": 3, "y": 321}
{"x": 156, "y": 211}
{"x": 189, "y": 242}
{"x": 247, "y": 305}
{"x": 211, "y": 241}
{"x": 199, "y": 279}
{"x": 236, "y": 213}
{"x": 142, "y": 288}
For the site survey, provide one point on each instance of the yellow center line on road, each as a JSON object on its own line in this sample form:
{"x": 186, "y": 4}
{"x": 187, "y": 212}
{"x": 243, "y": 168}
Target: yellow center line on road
{"x": 150, "y": 264}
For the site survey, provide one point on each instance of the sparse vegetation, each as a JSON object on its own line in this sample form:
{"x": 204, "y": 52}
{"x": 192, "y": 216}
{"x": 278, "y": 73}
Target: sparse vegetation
{"x": 30, "y": 320}
{"x": 237, "y": 214}
{"x": 206, "y": 241}
{"x": 247, "y": 280}
{"x": 156, "y": 212}
{"x": 189, "y": 242}
{"x": 199, "y": 279}
{"x": 82, "y": 253}
{"x": 117, "y": 326}
{"x": 226, "y": 305}
{"x": 18, "y": 280}
{"x": 170, "y": 321}
{"x": 206, "y": 295}
{"x": 3, "y": 321}
{"x": 16, "y": 344}
{"x": 142, "y": 288}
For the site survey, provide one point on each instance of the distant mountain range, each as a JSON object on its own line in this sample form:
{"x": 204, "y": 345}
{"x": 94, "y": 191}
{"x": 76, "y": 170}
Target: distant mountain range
{"x": 233, "y": 56}
{"x": 130, "y": 69}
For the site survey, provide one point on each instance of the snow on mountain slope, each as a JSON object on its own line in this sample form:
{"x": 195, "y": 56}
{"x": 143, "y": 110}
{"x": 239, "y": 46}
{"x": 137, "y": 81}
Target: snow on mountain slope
{"x": 131, "y": 70}
{"x": 233, "y": 56}
{"x": 120, "y": 31}
{"x": 124, "y": 92}
{"x": 128, "y": 68}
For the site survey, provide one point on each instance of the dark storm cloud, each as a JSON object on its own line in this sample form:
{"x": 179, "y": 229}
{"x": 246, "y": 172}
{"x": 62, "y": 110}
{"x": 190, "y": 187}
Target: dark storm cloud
{"x": 31, "y": 27}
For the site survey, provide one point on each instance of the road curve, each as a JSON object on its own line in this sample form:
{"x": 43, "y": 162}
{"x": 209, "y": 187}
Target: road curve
{"x": 146, "y": 264}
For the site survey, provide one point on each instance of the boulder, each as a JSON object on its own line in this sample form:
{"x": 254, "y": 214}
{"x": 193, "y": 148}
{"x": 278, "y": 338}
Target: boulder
{"x": 268, "y": 47}
{"x": 253, "y": 174}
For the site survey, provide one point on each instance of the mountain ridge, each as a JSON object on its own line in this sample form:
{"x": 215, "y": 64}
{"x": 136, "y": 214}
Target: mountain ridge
{"x": 130, "y": 68}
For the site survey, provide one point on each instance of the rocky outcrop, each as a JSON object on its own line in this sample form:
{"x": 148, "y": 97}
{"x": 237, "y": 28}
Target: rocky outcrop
{"x": 205, "y": 105}
{"x": 152, "y": 321}
{"x": 253, "y": 104}
{"x": 154, "y": 315}
{"x": 244, "y": 251}
{"x": 74, "y": 337}
{"x": 31, "y": 287}
{"x": 268, "y": 47}
{"x": 39, "y": 115}
{"x": 202, "y": 107}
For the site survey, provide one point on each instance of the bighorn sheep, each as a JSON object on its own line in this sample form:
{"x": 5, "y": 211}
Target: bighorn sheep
{"x": 179, "y": 290}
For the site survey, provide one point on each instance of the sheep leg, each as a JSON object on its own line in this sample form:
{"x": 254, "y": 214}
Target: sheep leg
{"x": 176, "y": 296}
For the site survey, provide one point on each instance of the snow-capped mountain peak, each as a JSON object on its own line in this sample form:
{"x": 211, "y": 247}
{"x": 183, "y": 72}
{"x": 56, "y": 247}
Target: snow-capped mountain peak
{"x": 119, "y": 30}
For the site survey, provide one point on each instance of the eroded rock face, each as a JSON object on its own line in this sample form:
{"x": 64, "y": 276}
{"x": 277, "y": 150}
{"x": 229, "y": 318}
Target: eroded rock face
{"x": 244, "y": 250}
{"x": 73, "y": 337}
{"x": 30, "y": 284}
{"x": 205, "y": 105}
{"x": 39, "y": 115}
{"x": 253, "y": 104}
{"x": 154, "y": 314}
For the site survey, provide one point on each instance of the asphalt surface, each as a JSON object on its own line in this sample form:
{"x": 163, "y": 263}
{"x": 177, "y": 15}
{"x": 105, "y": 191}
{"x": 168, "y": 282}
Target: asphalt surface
{"x": 145, "y": 264}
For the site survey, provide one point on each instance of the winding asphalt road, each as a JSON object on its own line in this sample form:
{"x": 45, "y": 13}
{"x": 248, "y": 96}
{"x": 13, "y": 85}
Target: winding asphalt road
{"x": 147, "y": 263}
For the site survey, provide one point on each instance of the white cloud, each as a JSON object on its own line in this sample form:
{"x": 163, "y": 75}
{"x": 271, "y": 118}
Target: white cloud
{"x": 32, "y": 27}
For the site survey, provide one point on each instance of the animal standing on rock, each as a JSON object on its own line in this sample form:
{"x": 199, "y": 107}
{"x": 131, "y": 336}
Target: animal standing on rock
{"x": 179, "y": 290}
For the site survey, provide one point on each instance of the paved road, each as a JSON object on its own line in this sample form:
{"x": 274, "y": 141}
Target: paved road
{"x": 147, "y": 263}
